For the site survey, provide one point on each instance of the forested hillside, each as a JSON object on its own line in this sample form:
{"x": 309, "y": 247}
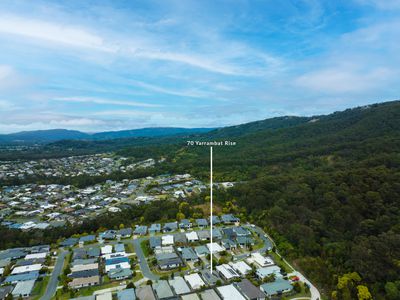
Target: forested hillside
{"x": 328, "y": 190}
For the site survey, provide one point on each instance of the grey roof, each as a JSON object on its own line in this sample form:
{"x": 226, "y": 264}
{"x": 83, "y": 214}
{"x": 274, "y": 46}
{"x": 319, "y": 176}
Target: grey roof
{"x": 155, "y": 227}
{"x": 84, "y": 273}
{"x": 87, "y": 238}
{"x": 209, "y": 278}
{"x": 125, "y": 232}
{"x": 119, "y": 272}
{"x": 85, "y": 298}
{"x": 142, "y": 230}
{"x": 228, "y": 243}
{"x": 93, "y": 252}
{"x": 184, "y": 223}
{"x": 155, "y": 241}
{"x": 127, "y": 294}
{"x": 119, "y": 248}
{"x": 12, "y": 254}
{"x": 216, "y": 220}
{"x": 209, "y": 295}
{"x": 277, "y": 286}
{"x": 79, "y": 254}
{"x": 170, "y": 226}
{"x": 180, "y": 237}
{"x": 216, "y": 233}
{"x": 201, "y": 222}
{"x": 86, "y": 261}
{"x": 201, "y": 250}
{"x": 179, "y": 285}
{"x": 69, "y": 242}
{"x": 203, "y": 234}
{"x": 189, "y": 254}
{"x": 23, "y": 288}
{"x": 245, "y": 240}
{"x": 162, "y": 289}
{"x": 229, "y": 218}
{"x": 249, "y": 290}
{"x": 28, "y": 262}
{"x": 145, "y": 293}
{"x": 240, "y": 231}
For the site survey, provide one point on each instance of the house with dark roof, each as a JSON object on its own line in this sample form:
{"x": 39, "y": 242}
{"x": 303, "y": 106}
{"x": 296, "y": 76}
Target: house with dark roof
{"x": 84, "y": 273}
{"x": 167, "y": 261}
{"x": 204, "y": 235}
{"x": 180, "y": 238}
{"x": 201, "y": 223}
{"x": 140, "y": 230}
{"x": 120, "y": 273}
{"x": 70, "y": 242}
{"x": 277, "y": 287}
{"x": 155, "y": 242}
{"x": 93, "y": 252}
{"x": 245, "y": 241}
{"x": 169, "y": 227}
{"x": 216, "y": 234}
{"x": 188, "y": 254}
{"x": 185, "y": 224}
{"x": 229, "y": 233}
{"x": 87, "y": 239}
{"x": 229, "y": 219}
{"x": 240, "y": 231}
{"x": 108, "y": 235}
{"x": 228, "y": 244}
{"x": 125, "y": 233}
{"x": 215, "y": 220}
{"x": 249, "y": 290}
{"x": 155, "y": 228}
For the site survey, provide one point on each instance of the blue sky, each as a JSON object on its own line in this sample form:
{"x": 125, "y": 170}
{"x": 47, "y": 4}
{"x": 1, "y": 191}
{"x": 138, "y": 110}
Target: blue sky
{"x": 110, "y": 65}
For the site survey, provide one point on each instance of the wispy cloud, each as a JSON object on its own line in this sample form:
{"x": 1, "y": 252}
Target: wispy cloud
{"x": 105, "y": 101}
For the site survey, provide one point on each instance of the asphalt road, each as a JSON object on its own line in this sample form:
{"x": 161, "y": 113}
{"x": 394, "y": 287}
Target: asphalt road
{"x": 142, "y": 260}
{"x": 53, "y": 282}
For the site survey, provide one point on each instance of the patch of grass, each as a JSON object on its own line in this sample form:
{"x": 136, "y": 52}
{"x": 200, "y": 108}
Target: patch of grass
{"x": 280, "y": 262}
{"x": 40, "y": 288}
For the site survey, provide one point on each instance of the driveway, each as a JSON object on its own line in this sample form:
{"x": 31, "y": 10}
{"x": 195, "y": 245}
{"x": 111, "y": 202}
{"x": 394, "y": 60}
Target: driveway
{"x": 53, "y": 282}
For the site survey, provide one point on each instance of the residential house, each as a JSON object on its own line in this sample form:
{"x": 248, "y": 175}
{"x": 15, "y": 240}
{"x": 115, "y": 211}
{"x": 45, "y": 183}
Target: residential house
{"x": 192, "y": 236}
{"x": 249, "y": 290}
{"x": 188, "y": 254}
{"x": 145, "y": 292}
{"x": 185, "y": 224}
{"x": 120, "y": 273}
{"x": 229, "y": 219}
{"x": 268, "y": 271}
{"x": 229, "y": 292}
{"x": 78, "y": 283}
{"x": 124, "y": 233}
{"x": 204, "y": 235}
{"x": 163, "y": 290}
{"x": 179, "y": 285}
{"x": 140, "y": 230}
{"x": 127, "y": 294}
{"x": 277, "y": 287}
{"x": 227, "y": 272}
{"x": 155, "y": 242}
{"x": 201, "y": 223}
{"x": 23, "y": 289}
{"x": 169, "y": 227}
{"x": 155, "y": 228}
{"x": 167, "y": 261}
{"x": 194, "y": 280}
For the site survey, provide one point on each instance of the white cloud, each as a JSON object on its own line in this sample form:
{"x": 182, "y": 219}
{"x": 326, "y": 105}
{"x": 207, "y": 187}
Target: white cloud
{"x": 79, "y": 99}
{"x": 342, "y": 80}
{"x": 52, "y": 32}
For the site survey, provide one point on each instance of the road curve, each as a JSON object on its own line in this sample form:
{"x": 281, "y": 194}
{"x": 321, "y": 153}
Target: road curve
{"x": 53, "y": 282}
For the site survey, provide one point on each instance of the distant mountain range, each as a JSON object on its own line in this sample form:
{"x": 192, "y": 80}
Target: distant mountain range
{"x": 54, "y": 135}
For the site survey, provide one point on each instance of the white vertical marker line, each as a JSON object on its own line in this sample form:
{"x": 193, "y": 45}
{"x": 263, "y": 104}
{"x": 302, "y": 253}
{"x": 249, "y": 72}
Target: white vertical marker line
{"x": 211, "y": 209}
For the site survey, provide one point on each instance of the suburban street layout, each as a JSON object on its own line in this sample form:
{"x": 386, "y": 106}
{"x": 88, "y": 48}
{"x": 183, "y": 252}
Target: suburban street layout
{"x": 157, "y": 261}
